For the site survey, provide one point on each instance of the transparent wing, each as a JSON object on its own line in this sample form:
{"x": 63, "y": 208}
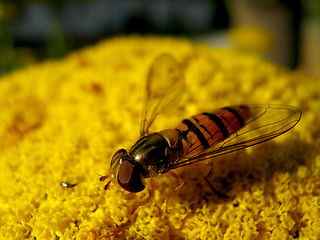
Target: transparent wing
{"x": 165, "y": 85}
{"x": 265, "y": 123}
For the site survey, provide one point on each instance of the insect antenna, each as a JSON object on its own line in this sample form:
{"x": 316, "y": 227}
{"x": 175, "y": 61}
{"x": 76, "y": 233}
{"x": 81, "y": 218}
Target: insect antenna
{"x": 107, "y": 185}
{"x": 103, "y": 178}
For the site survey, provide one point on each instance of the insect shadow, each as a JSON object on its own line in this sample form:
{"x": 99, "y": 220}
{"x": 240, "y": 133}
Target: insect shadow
{"x": 241, "y": 172}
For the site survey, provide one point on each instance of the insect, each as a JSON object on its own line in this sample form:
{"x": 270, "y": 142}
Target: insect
{"x": 199, "y": 138}
{"x": 68, "y": 185}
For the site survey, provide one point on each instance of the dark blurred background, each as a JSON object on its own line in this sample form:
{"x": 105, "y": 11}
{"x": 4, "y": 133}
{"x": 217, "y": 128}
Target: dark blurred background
{"x": 284, "y": 31}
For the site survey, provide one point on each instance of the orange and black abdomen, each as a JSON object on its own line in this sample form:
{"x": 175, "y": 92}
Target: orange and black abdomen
{"x": 206, "y": 129}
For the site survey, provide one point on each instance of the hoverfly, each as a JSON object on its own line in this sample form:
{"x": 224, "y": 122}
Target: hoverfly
{"x": 199, "y": 138}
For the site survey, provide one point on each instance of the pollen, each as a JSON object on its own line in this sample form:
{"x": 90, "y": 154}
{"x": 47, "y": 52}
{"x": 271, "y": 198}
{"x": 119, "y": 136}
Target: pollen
{"x": 61, "y": 122}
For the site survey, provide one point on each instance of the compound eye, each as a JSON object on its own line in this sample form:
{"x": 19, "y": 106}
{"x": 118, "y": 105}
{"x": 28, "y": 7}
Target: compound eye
{"x": 129, "y": 177}
{"x": 118, "y": 154}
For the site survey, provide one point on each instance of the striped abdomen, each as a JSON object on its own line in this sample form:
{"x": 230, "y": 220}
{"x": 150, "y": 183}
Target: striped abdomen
{"x": 206, "y": 129}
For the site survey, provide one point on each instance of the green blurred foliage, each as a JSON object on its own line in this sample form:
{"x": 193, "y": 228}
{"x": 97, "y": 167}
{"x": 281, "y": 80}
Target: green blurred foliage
{"x": 8, "y": 56}
{"x": 13, "y": 57}
{"x": 311, "y": 9}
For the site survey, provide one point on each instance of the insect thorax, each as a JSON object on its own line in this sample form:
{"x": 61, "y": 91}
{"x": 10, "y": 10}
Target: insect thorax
{"x": 153, "y": 154}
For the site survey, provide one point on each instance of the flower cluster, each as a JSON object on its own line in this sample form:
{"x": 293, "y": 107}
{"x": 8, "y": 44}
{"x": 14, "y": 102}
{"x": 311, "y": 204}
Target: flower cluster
{"x": 61, "y": 121}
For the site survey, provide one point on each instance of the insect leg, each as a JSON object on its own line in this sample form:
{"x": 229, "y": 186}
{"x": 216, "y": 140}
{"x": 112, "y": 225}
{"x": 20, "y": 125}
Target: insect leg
{"x": 211, "y": 186}
{"x": 152, "y": 185}
{"x": 176, "y": 176}
{"x": 94, "y": 234}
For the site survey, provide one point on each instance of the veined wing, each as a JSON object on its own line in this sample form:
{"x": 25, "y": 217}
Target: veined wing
{"x": 265, "y": 123}
{"x": 165, "y": 85}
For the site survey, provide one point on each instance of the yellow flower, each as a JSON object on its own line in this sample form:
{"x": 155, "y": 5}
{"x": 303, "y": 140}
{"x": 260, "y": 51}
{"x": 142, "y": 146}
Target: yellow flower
{"x": 252, "y": 38}
{"x": 61, "y": 122}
